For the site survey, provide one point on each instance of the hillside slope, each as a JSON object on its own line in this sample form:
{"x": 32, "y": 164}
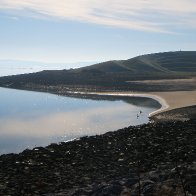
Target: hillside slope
{"x": 168, "y": 65}
{"x": 167, "y": 62}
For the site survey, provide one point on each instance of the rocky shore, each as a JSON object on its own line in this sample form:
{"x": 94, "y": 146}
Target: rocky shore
{"x": 151, "y": 159}
{"x": 179, "y": 114}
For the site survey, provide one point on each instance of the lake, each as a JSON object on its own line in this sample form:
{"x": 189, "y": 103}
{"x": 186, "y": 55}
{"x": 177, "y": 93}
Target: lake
{"x": 29, "y": 119}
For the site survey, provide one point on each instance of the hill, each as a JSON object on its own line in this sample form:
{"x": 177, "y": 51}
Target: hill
{"x": 114, "y": 74}
{"x": 167, "y": 62}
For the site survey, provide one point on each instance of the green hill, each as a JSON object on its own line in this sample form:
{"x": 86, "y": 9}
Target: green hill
{"x": 168, "y": 65}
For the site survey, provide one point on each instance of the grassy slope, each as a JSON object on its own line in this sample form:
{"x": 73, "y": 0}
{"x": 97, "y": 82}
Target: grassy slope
{"x": 159, "y": 62}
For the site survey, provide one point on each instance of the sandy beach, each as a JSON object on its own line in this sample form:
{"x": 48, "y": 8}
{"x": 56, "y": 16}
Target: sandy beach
{"x": 177, "y": 99}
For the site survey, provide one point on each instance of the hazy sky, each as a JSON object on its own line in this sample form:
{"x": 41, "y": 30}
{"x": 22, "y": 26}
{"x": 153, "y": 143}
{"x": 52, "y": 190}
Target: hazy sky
{"x": 94, "y": 30}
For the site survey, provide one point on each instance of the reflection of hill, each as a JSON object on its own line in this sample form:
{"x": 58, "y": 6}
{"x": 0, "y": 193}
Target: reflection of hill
{"x": 142, "y": 101}
{"x": 137, "y": 101}
{"x": 115, "y": 73}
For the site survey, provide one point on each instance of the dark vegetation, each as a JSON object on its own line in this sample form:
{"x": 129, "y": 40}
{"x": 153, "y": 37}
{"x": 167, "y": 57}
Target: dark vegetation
{"x": 115, "y": 74}
{"x": 151, "y": 159}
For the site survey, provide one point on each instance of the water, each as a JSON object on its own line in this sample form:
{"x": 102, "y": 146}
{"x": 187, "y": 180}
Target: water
{"x": 14, "y": 67}
{"x": 29, "y": 119}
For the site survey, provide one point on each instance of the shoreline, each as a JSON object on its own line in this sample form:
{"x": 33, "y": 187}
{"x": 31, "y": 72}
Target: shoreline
{"x": 169, "y": 100}
{"x": 175, "y": 106}
{"x": 157, "y": 98}
{"x": 163, "y": 102}
{"x": 164, "y": 113}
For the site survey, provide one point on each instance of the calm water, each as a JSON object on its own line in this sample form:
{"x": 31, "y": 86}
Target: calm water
{"x": 29, "y": 119}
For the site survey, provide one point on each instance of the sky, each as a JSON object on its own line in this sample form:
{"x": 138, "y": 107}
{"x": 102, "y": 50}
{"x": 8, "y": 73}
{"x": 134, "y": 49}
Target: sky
{"x": 94, "y": 30}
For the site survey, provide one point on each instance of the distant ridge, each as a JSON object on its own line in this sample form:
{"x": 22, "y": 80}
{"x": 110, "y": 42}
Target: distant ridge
{"x": 16, "y": 67}
{"x": 166, "y": 65}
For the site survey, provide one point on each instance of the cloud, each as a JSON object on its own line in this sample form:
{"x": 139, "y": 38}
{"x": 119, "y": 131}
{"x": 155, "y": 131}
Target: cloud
{"x": 144, "y": 15}
{"x": 71, "y": 123}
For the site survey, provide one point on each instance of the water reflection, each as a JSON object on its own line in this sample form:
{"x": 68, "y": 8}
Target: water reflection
{"x": 29, "y": 119}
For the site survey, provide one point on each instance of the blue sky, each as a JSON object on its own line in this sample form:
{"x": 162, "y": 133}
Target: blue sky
{"x": 94, "y": 30}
